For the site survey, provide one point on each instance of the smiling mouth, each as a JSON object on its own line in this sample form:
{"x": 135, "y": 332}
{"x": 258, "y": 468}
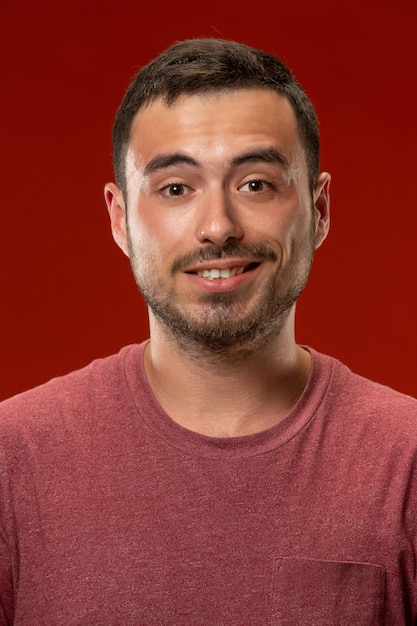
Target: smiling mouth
{"x": 217, "y": 273}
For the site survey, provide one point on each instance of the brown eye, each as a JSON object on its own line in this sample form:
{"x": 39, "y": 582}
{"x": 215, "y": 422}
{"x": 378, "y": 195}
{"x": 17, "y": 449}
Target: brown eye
{"x": 175, "y": 190}
{"x": 255, "y": 185}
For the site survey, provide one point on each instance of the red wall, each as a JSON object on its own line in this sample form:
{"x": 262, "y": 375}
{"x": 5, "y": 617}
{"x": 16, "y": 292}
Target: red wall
{"x": 67, "y": 295}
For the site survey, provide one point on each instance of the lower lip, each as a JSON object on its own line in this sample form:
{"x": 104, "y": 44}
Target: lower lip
{"x": 221, "y": 285}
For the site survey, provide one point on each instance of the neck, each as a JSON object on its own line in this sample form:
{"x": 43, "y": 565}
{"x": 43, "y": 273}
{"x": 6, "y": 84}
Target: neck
{"x": 231, "y": 394}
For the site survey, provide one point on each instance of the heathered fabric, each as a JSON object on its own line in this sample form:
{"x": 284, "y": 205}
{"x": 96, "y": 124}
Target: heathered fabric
{"x": 112, "y": 514}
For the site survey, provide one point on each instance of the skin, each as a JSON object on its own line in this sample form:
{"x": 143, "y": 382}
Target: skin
{"x": 220, "y": 182}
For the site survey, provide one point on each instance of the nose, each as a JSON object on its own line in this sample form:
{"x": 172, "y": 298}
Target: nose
{"x": 218, "y": 219}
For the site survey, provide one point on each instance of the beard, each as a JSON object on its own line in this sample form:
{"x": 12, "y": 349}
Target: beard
{"x": 225, "y": 324}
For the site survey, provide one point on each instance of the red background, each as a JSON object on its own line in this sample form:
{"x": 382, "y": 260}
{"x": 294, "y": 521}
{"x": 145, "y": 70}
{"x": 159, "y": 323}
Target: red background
{"x": 67, "y": 295}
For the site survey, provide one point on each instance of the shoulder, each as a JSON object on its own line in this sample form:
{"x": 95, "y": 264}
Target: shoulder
{"x": 355, "y": 386}
{"x": 363, "y": 400}
{"x": 97, "y": 385}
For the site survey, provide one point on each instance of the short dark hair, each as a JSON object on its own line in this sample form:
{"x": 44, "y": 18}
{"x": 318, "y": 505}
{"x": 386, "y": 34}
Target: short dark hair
{"x": 210, "y": 65}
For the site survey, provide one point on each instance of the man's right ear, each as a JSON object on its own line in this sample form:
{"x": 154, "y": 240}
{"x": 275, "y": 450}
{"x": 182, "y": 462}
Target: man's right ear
{"x": 117, "y": 212}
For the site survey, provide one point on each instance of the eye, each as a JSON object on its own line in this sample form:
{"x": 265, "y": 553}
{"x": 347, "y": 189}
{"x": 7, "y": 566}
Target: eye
{"x": 175, "y": 190}
{"x": 256, "y": 186}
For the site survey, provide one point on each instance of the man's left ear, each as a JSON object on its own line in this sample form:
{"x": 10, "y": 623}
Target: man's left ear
{"x": 321, "y": 198}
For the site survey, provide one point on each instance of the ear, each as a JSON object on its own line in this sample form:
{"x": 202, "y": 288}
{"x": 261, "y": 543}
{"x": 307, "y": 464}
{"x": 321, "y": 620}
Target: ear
{"x": 321, "y": 199}
{"x": 117, "y": 212}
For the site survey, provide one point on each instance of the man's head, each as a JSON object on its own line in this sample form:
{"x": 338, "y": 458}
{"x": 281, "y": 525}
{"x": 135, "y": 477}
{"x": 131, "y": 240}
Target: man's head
{"x": 219, "y": 204}
{"x": 204, "y": 66}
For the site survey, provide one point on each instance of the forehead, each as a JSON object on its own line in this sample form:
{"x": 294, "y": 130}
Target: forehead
{"x": 215, "y": 126}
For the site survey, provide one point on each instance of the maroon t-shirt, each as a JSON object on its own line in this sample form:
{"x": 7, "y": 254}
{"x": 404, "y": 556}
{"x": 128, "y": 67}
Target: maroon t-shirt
{"x": 112, "y": 514}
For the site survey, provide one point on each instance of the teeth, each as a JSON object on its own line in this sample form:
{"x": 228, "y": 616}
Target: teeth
{"x": 221, "y": 273}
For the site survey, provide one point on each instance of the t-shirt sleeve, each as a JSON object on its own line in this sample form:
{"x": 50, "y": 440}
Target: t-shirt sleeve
{"x": 6, "y": 587}
{"x": 6, "y": 578}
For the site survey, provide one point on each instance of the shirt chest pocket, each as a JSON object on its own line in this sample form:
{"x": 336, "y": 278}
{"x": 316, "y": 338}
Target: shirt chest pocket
{"x": 327, "y": 593}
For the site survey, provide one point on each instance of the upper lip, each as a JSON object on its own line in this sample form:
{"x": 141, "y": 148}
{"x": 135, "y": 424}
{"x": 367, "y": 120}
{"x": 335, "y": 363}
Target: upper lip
{"x": 221, "y": 264}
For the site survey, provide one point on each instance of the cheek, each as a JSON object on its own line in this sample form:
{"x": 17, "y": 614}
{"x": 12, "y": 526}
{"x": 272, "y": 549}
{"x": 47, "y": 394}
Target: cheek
{"x": 151, "y": 244}
{"x": 295, "y": 238}
{"x": 168, "y": 232}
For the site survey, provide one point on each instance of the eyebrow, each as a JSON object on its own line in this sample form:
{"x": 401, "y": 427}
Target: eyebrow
{"x": 164, "y": 161}
{"x": 265, "y": 155}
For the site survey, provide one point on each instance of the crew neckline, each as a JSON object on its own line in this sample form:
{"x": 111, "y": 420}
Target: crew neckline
{"x": 156, "y": 419}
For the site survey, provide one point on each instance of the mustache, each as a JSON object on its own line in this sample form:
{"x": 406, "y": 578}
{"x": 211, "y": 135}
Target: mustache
{"x": 261, "y": 251}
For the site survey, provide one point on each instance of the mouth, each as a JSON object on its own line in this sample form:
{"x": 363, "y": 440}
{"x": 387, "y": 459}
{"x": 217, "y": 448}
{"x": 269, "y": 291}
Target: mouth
{"x": 216, "y": 273}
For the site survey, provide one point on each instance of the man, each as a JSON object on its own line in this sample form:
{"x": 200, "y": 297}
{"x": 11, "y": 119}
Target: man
{"x": 219, "y": 473}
